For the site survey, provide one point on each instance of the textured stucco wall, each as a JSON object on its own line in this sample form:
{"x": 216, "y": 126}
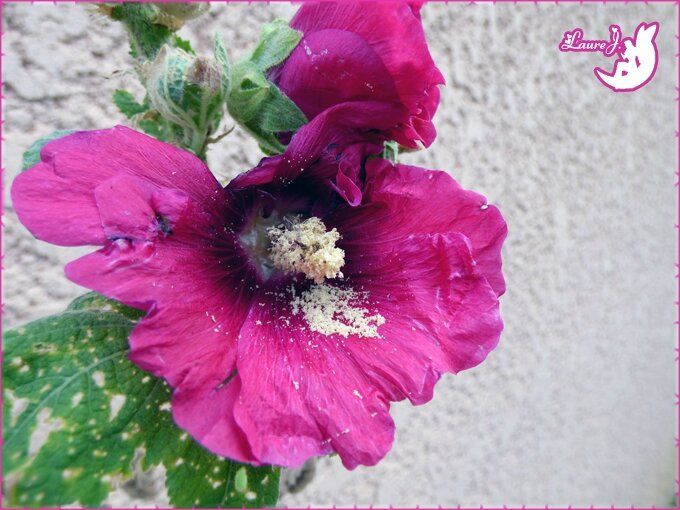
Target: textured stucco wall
{"x": 576, "y": 406}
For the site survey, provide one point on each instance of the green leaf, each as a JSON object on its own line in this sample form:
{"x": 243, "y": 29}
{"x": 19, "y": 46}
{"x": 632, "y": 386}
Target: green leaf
{"x": 32, "y": 155}
{"x": 155, "y": 127}
{"x": 206, "y": 481}
{"x": 94, "y": 301}
{"x": 249, "y": 91}
{"x": 261, "y": 108}
{"x": 126, "y": 103}
{"x": 280, "y": 114}
{"x": 277, "y": 41}
{"x": 184, "y": 44}
{"x": 146, "y": 36}
{"x": 257, "y": 104}
{"x": 76, "y": 410}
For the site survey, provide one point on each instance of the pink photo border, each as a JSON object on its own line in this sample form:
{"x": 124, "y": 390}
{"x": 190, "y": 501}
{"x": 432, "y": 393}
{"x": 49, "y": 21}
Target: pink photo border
{"x": 469, "y": 3}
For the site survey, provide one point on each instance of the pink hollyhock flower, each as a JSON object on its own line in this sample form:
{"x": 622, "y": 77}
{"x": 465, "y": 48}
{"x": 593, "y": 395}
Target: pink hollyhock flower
{"x": 359, "y": 51}
{"x": 285, "y": 319}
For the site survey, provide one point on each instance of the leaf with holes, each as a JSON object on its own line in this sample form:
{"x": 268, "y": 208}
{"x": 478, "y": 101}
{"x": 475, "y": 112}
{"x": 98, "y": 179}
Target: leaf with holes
{"x": 76, "y": 410}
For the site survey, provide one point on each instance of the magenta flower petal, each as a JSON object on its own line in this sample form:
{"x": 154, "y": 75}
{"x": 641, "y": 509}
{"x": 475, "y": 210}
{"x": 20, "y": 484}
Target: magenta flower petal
{"x": 205, "y": 310}
{"x": 72, "y": 221}
{"x": 262, "y": 371}
{"x": 440, "y": 315}
{"x": 410, "y": 248}
{"x": 154, "y": 236}
{"x": 429, "y": 251}
{"x": 204, "y": 406}
{"x": 426, "y": 201}
{"x": 354, "y": 128}
{"x": 358, "y": 51}
{"x": 74, "y": 166}
{"x": 303, "y": 395}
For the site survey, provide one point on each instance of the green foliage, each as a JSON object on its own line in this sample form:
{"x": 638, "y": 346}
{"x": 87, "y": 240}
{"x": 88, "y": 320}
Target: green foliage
{"x": 189, "y": 92}
{"x": 222, "y": 60}
{"x": 257, "y": 104}
{"x": 186, "y": 93}
{"x": 76, "y": 410}
{"x": 277, "y": 41}
{"x": 263, "y": 110}
{"x": 184, "y": 45}
{"x": 32, "y": 155}
{"x": 127, "y": 105}
{"x": 143, "y": 117}
{"x": 146, "y": 36}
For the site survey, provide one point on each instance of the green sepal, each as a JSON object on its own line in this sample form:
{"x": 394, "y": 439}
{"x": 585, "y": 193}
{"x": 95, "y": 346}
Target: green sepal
{"x": 222, "y": 59}
{"x": 277, "y": 41}
{"x": 256, "y": 103}
{"x": 32, "y": 155}
{"x": 70, "y": 375}
{"x": 391, "y": 152}
{"x": 250, "y": 89}
{"x": 279, "y": 114}
{"x": 261, "y": 108}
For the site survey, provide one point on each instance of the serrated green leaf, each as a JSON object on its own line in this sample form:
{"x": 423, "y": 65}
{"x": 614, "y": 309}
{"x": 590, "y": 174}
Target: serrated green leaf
{"x": 32, "y": 155}
{"x": 76, "y": 410}
{"x": 276, "y": 42}
{"x": 146, "y": 37}
{"x": 184, "y": 44}
{"x": 126, "y": 103}
{"x": 153, "y": 128}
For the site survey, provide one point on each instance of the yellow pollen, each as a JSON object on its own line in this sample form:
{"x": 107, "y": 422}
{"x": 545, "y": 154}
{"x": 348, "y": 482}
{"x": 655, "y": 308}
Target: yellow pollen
{"x": 332, "y": 310}
{"x": 306, "y": 247}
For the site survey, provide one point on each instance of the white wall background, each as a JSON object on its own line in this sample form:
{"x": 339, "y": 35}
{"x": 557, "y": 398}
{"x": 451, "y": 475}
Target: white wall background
{"x": 576, "y": 406}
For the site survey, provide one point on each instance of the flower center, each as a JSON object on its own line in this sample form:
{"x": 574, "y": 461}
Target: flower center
{"x": 293, "y": 245}
{"x": 306, "y": 247}
{"x": 256, "y": 243}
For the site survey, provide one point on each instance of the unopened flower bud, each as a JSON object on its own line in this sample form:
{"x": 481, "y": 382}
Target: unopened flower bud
{"x": 183, "y": 10}
{"x": 171, "y": 15}
{"x": 189, "y": 91}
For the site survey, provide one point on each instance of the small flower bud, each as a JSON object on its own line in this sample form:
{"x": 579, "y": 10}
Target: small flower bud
{"x": 174, "y": 14}
{"x": 189, "y": 91}
{"x": 171, "y": 15}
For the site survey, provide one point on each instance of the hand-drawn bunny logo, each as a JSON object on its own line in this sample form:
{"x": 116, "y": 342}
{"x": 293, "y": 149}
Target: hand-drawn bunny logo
{"x": 638, "y": 56}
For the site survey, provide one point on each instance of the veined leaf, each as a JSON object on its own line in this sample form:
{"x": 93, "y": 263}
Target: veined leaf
{"x": 277, "y": 41}
{"x": 76, "y": 410}
{"x": 126, "y": 103}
